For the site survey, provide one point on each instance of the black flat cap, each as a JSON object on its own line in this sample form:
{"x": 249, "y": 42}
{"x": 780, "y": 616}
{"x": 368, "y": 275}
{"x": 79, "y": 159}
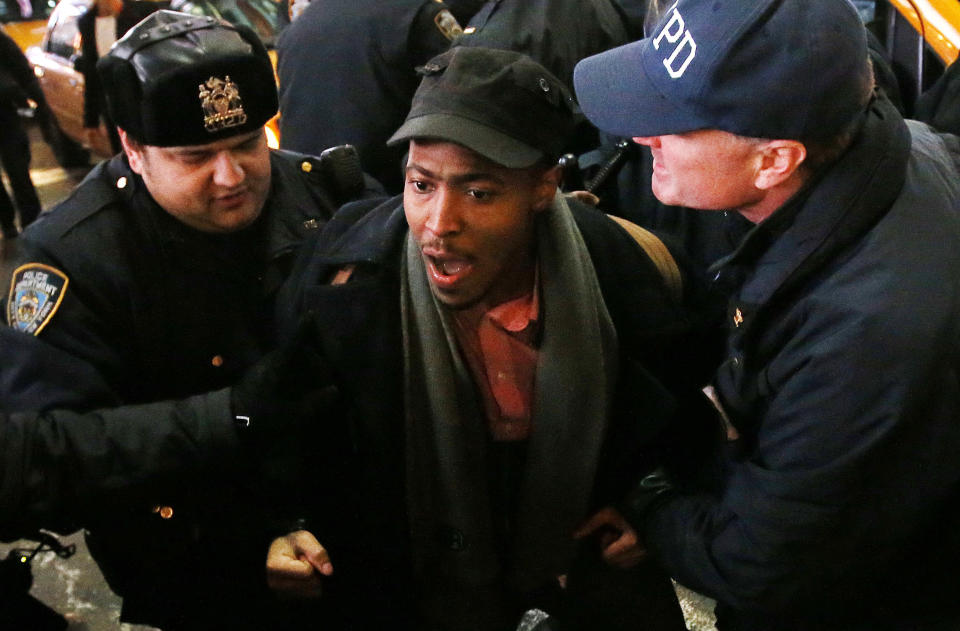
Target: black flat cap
{"x": 176, "y": 79}
{"x": 499, "y": 103}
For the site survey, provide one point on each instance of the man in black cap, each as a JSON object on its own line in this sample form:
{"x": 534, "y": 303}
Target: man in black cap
{"x": 839, "y": 506}
{"x": 510, "y": 364}
{"x": 157, "y": 276}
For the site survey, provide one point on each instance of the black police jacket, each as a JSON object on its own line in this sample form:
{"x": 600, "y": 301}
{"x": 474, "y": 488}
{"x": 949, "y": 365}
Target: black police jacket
{"x": 156, "y": 311}
{"x": 840, "y": 508}
{"x": 557, "y": 34}
{"x": 346, "y": 70}
{"x": 360, "y": 514}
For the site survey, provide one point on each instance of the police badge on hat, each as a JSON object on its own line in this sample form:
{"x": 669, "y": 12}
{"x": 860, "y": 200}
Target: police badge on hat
{"x": 36, "y": 292}
{"x": 221, "y": 103}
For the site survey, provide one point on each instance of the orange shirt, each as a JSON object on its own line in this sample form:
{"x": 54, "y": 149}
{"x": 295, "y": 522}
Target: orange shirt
{"x": 500, "y": 347}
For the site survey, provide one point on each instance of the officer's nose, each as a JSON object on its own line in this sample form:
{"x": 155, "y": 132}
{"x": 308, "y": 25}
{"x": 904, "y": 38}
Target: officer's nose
{"x": 227, "y": 171}
{"x": 649, "y": 141}
{"x": 444, "y": 216}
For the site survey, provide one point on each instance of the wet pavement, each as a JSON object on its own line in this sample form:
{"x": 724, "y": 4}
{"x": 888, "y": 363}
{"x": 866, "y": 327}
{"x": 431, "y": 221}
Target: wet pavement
{"x": 71, "y": 587}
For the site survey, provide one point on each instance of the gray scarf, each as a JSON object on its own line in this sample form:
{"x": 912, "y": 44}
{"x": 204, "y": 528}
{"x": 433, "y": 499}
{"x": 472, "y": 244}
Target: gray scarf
{"x": 454, "y": 555}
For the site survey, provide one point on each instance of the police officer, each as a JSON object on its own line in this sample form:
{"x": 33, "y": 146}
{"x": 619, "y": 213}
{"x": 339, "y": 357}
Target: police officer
{"x": 346, "y": 70}
{"x": 159, "y": 273}
{"x": 838, "y": 505}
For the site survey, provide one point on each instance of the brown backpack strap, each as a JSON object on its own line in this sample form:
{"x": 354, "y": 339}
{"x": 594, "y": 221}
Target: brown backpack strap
{"x": 658, "y": 253}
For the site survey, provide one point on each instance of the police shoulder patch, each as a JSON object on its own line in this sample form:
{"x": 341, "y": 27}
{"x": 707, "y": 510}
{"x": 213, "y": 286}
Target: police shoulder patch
{"x": 36, "y": 292}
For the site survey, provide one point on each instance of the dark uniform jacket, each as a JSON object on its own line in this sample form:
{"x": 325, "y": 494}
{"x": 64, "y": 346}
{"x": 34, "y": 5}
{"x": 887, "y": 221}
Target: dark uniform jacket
{"x": 359, "y": 324}
{"x": 346, "y": 71}
{"x": 154, "y": 310}
{"x": 555, "y": 33}
{"x": 940, "y": 104}
{"x": 840, "y": 508}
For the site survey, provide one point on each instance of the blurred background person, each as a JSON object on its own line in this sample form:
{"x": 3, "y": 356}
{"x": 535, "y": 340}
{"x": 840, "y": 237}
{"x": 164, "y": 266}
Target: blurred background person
{"x": 17, "y": 85}
{"x": 104, "y": 23}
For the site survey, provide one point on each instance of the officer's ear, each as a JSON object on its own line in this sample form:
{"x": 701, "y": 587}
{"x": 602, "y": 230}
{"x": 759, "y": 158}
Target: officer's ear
{"x": 134, "y": 151}
{"x": 779, "y": 161}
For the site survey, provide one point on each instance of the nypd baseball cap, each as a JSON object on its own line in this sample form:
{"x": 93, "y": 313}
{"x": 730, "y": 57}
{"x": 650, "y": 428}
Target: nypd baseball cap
{"x": 177, "y": 79}
{"x": 498, "y": 103}
{"x": 783, "y": 69}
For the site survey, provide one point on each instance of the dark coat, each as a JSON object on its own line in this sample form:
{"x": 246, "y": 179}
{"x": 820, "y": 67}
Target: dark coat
{"x": 346, "y": 71}
{"x": 840, "y": 508}
{"x": 557, "y": 34}
{"x": 155, "y": 310}
{"x": 938, "y": 106}
{"x": 359, "y": 326}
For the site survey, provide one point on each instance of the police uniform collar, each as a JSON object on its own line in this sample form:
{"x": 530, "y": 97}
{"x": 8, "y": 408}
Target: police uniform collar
{"x": 292, "y": 209}
{"x": 845, "y": 201}
{"x": 124, "y": 181}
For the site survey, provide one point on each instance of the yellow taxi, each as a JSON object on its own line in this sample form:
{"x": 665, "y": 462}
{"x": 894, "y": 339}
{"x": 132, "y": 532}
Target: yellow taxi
{"x": 26, "y": 20}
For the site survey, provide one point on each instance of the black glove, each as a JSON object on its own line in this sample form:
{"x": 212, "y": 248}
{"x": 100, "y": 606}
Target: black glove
{"x": 289, "y": 389}
{"x": 654, "y": 488}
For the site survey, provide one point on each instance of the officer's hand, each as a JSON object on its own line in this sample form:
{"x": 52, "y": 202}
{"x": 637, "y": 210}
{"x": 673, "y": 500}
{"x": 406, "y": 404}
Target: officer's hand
{"x": 296, "y": 565}
{"x": 619, "y": 544}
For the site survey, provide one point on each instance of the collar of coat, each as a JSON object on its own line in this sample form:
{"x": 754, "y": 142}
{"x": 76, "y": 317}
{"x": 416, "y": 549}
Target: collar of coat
{"x": 834, "y": 211}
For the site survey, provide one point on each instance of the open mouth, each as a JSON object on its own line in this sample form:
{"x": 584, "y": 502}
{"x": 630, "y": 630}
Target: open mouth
{"x": 449, "y": 267}
{"x": 447, "y": 270}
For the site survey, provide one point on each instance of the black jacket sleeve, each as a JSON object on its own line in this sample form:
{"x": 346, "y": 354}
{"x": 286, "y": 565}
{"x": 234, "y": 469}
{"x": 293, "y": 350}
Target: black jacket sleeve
{"x": 59, "y": 468}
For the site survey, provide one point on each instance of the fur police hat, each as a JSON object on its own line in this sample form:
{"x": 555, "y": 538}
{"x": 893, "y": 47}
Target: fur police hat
{"x": 499, "y": 103}
{"x": 177, "y": 79}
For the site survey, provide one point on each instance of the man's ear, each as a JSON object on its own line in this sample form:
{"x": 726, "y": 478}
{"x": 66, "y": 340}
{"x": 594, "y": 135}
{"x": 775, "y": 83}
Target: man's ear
{"x": 779, "y": 160}
{"x": 546, "y": 188}
{"x": 134, "y": 151}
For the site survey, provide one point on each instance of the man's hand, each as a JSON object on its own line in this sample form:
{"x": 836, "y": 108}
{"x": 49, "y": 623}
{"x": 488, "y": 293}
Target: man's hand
{"x": 296, "y": 565}
{"x": 619, "y": 544}
{"x": 584, "y": 197}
